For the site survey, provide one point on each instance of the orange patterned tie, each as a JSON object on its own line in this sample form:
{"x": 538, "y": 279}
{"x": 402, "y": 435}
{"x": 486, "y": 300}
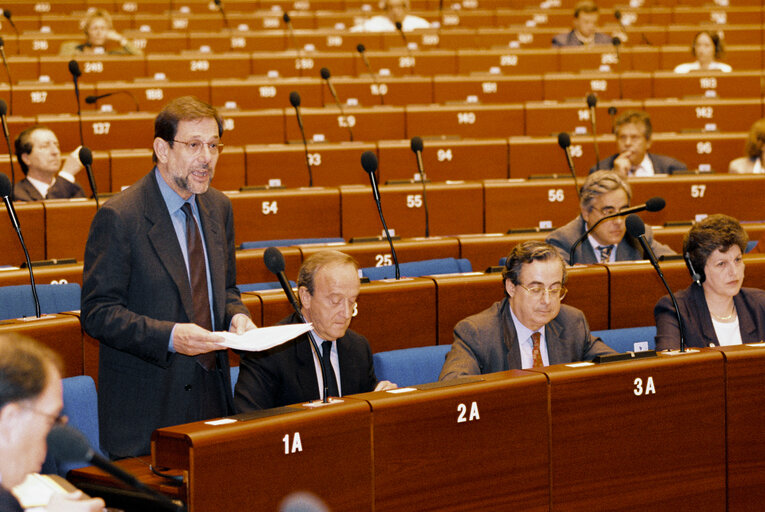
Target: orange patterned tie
{"x": 536, "y": 353}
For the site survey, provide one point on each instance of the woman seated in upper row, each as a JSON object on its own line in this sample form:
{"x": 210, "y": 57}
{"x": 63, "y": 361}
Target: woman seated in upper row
{"x": 100, "y": 38}
{"x": 715, "y": 309}
{"x": 707, "y": 48}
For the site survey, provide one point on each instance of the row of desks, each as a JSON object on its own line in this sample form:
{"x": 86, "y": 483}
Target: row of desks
{"x": 58, "y": 229}
{"x": 674, "y": 432}
{"x": 423, "y": 311}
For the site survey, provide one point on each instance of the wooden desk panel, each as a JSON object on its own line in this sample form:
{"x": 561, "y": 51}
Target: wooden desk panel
{"x": 250, "y": 267}
{"x": 49, "y": 274}
{"x": 564, "y": 86}
{"x": 35, "y": 99}
{"x": 418, "y": 434}
{"x": 295, "y": 213}
{"x": 610, "y": 432}
{"x": 253, "y": 126}
{"x": 376, "y": 254}
{"x": 368, "y": 124}
{"x": 601, "y": 57}
{"x": 94, "y": 69}
{"x": 151, "y": 95}
{"x": 128, "y": 166}
{"x": 551, "y": 118}
{"x": 542, "y": 155}
{"x": 445, "y": 160}
{"x": 738, "y": 84}
{"x": 740, "y": 57}
{"x": 32, "y": 223}
{"x": 727, "y": 115}
{"x": 704, "y": 151}
{"x": 453, "y": 209}
{"x": 511, "y": 61}
{"x": 23, "y": 67}
{"x": 389, "y": 90}
{"x": 103, "y": 131}
{"x": 268, "y": 93}
{"x": 399, "y": 62}
{"x": 487, "y": 89}
{"x": 465, "y": 121}
{"x": 240, "y": 41}
{"x": 515, "y": 204}
{"x": 59, "y": 332}
{"x": 67, "y": 224}
{"x": 199, "y": 66}
{"x": 487, "y": 249}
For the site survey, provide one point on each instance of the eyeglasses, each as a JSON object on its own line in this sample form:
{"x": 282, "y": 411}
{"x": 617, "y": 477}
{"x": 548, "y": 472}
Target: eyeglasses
{"x": 556, "y": 292}
{"x": 610, "y": 210}
{"x": 195, "y": 146}
{"x": 61, "y": 419}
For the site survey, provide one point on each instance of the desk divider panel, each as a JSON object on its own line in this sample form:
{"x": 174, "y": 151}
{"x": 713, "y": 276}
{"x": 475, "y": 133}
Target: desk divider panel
{"x": 250, "y": 267}
{"x": 31, "y": 217}
{"x": 60, "y": 333}
{"x": 377, "y": 254}
{"x": 67, "y": 224}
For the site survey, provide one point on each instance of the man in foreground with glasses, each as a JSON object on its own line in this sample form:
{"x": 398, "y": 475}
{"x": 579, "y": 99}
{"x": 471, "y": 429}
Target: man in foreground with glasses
{"x": 30, "y": 405}
{"x": 603, "y": 193}
{"x": 328, "y": 286}
{"x": 159, "y": 278}
{"x": 529, "y": 328}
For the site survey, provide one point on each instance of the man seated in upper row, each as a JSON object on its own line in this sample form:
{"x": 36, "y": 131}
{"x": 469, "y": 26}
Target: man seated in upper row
{"x": 395, "y": 12}
{"x": 603, "y": 193}
{"x": 585, "y": 28}
{"x": 529, "y": 328}
{"x": 633, "y": 138}
{"x": 39, "y": 157}
{"x": 328, "y": 286}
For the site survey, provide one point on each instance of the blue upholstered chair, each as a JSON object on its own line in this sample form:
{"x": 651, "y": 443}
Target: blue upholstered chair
{"x": 17, "y": 301}
{"x": 419, "y": 268}
{"x": 411, "y": 366}
{"x": 255, "y": 287}
{"x": 262, "y": 244}
{"x": 81, "y": 407}
{"x": 624, "y": 340}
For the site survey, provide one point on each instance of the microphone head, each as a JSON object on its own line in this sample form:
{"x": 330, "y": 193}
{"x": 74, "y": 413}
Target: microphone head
{"x": 86, "y": 156}
{"x": 3, "y": 108}
{"x": 612, "y": 111}
{"x": 295, "y": 99}
{"x": 618, "y": 14}
{"x": 217, "y": 2}
{"x": 399, "y": 26}
{"x": 635, "y": 225}
{"x": 91, "y": 99}
{"x": 416, "y": 144}
{"x": 361, "y": 48}
{"x": 69, "y": 444}
{"x": 5, "y": 185}
{"x": 74, "y": 68}
{"x": 616, "y": 41}
{"x": 2, "y": 43}
{"x": 286, "y": 18}
{"x": 325, "y": 74}
{"x": 564, "y": 140}
{"x": 655, "y": 204}
{"x": 274, "y": 260}
{"x": 7, "y": 14}
{"x": 369, "y": 161}
{"x": 592, "y": 100}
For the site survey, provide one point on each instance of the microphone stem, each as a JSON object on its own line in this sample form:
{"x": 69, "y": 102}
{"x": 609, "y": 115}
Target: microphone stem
{"x": 15, "y": 222}
{"x": 7, "y": 136}
{"x": 424, "y": 194}
{"x": 594, "y": 135}
{"x": 385, "y": 226}
{"x": 10, "y": 80}
{"x": 307, "y": 160}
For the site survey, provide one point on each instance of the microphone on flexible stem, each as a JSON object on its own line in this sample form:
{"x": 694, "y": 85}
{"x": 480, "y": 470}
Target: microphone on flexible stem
{"x": 325, "y": 74}
{"x": 295, "y": 102}
{"x": 8, "y": 73}
{"x": 7, "y": 135}
{"x": 636, "y": 228}
{"x": 219, "y": 5}
{"x": 592, "y": 101}
{"x": 291, "y": 32}
{"x": 654, "y": 204}
{"x": 400, "y": 30}
{"x": 74, "y": 69}
{"x": 86, "y": 158}
{"x": 617, "y": 42}
{"x": 612, "y": 113}
{"x": 5, "y": 191}
{"x": 361, "y": 49}
{"x": 417, "y": 146}
{"x": 618, "y": 16}
{"x": 68, "y": 444}
{"x": 7, "y": 15}
{"x": 274, "y": 261}
{"x": 369, "y": 163}
{"x": 564, "y": 141}
{"x": 94, "y": 99}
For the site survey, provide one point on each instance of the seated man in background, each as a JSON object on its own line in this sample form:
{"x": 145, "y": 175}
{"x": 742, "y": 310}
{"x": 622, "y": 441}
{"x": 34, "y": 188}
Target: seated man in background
{"x": 47, "y": 177}
{"x": 30, "y": 405}
{"x": 395, "y": 12}
{"x": 603, "y": 193}
{"x": 585, "y": 28}
{"x": 529, "y": 328}
{"x": 633, "y": 138}
{"x": 328, "y": 286}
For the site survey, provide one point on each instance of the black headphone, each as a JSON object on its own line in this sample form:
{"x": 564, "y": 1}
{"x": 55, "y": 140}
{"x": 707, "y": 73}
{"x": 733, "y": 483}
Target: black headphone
{"x": 698, "y": 277}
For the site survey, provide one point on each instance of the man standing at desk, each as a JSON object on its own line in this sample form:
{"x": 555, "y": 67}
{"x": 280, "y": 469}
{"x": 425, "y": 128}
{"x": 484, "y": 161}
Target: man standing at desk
{"x": 328, "y": 286}
{"x": 159, "y": 275}
{"x": 529, "y": 328}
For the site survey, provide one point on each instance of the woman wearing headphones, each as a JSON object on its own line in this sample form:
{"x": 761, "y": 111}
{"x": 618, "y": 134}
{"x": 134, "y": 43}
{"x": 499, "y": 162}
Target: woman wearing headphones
{"x": 715, "y": 309}
{"x": 100, "y": 38}
{"x": 707, "y": 48}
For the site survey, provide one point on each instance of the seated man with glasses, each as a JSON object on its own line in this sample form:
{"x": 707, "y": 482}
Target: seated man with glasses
{"x": 529, "y": 328}
{"x": 603, "y": 193}
{"x": 328, "y": 286}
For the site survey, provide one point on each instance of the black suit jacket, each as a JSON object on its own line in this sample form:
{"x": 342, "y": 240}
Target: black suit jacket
{"x": 570, "y": 39}
{"x": 135, "y": 289}
{"x": 61, "y": 189}
{"x": 699, "y": 331}
{"x": 286, "y": 374}
{"x": 8, "y": 502}
{"x": 661, "y": 164}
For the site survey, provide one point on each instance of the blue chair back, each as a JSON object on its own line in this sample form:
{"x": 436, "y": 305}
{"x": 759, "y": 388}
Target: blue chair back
{"x": 17, "y": 301}
{"x": 419, "y": 268}
{"x": 286, "y": 242}
{"x": 411, "y": 366}
{"x": 626, "y": 340}
{"x": 254, "y": 287}
{"x": 751, "y": 244}
{"x": 81, "y": 406}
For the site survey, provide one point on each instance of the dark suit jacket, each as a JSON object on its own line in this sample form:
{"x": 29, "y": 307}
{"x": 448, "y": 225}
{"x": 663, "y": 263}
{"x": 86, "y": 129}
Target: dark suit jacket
{"x": 286, "y": 374}
{"x": 629, "y": 249}
{"x": 699, "y": 331}
{"x": 570, "y": 39}
{"x": 61, "y": 189}
{"x": 484, "y": 344}
{"x": 661, "y": 164}
{"x": 135, "y": 289}
{"x": 8, "y": 502}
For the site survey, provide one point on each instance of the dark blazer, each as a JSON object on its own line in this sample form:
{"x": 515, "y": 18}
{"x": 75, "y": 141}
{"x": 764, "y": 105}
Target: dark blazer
{"x": 286, "y": 374}
{"x": 8, "y": 502}
{"x": 570, "y": 39}
{"x": 483, "y": 343}
{"x": 135, "y": 289}
{"x": 61, "y": 189}
{"x": 699, "y": 331}
{"x": 629, "y": 249}
{"x": 661, "y": 164}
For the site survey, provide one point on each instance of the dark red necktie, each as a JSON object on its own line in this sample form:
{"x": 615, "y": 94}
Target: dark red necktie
{"x": 536, "y": 351}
